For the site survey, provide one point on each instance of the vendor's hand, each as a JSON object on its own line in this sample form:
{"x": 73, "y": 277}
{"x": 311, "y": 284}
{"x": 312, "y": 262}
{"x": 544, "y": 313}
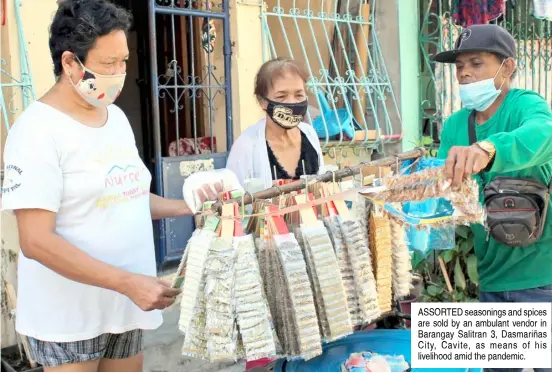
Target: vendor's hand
{"x": 150, "y": 293}
{"x": 464, "y": 161}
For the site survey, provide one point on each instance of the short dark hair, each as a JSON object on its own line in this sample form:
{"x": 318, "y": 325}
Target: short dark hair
{"x": 276, "y": 68}
{"x": 503, "y": 58}
{"x": 78, "y": 24}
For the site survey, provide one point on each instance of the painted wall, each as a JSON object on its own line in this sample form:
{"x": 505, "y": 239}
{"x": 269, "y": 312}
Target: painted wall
{"x": 246, "y": 61}
{"x": 247, "y": 57}
{"x": 36, "y": 16}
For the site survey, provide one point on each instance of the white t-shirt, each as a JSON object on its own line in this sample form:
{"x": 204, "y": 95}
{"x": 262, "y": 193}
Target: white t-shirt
{"x": 95, "y": 181}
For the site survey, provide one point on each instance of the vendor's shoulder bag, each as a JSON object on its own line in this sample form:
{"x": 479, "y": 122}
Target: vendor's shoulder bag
{"x": 516, "y": 207}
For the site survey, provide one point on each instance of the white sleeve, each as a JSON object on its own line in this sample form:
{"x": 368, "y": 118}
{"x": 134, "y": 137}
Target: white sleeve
{"x": 315, "y": 142}
{"x": 240, "y": 160}
{"x": 33, "y": 178}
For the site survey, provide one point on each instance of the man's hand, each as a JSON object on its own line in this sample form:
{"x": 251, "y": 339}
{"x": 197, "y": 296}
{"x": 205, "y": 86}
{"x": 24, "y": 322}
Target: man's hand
{"x": 464, "y": 161}
{"x": 150, "y": 293}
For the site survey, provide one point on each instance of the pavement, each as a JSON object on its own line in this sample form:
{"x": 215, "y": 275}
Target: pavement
{"x": 162, "y": 349}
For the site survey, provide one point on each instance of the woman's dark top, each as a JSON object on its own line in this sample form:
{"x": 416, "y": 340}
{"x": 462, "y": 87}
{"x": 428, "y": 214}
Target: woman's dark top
{"x": 308, "y": 155}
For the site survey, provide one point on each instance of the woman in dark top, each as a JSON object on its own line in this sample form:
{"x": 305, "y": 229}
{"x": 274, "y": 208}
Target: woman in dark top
{"x": 280, "y": 145}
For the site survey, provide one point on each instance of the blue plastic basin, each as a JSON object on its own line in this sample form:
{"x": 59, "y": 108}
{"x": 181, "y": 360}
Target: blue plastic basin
{"x": 383, "y": 342}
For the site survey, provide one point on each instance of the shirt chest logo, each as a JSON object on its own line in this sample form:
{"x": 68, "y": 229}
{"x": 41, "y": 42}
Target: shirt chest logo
{"x": 125, "y": 176}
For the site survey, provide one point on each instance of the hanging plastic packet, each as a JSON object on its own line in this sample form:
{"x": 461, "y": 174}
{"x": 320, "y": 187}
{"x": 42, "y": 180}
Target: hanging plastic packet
{"x": 193, "y": 185}
{"x": 430, "y": 238}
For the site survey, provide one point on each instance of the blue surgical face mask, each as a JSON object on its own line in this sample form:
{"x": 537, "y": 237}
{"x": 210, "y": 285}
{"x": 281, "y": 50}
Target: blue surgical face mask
{"x": 479, "y": 96}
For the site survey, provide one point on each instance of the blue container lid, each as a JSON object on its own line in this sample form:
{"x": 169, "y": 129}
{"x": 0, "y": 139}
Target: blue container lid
{"x": 380, "y": 341}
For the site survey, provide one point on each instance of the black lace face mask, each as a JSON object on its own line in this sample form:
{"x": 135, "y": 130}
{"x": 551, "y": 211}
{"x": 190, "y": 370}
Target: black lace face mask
{"x": 286, "y": 115}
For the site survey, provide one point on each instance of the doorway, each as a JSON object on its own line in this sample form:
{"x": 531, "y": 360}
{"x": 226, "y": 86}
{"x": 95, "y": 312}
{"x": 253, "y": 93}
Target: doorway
{"x": 178, "y": 99}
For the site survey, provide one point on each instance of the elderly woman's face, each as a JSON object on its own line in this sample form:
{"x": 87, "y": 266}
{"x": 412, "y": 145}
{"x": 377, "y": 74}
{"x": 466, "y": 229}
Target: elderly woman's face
{"x": 289, "y": 88}
{"x": 108, "y": 56}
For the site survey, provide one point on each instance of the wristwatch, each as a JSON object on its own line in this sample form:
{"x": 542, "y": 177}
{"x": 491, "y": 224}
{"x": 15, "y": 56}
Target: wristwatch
{"x": 488, "y": 147}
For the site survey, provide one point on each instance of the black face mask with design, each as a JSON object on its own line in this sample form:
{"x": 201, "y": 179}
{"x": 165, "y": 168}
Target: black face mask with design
{"x": 286, "y": 115}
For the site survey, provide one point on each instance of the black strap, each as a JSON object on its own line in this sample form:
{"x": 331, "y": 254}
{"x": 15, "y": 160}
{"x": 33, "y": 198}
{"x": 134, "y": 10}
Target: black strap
{"x": 471, "y": 128}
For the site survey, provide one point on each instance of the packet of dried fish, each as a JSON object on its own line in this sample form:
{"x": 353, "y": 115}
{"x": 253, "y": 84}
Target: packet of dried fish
{"x": 361, "y": 212}
{"x": 195, "y": 340}
{"x": 326, "y": 271}
{"x": 219, "y": 282}
{"x": 260, "y": 245}
{"x": 380, "y": 236}
{"x": 277, "y": 297}
{"x": 252, "y": 311}
{"x": 198, "y": 249}
{"x": 263, "y": 262}
{"x": 283, "y": 305}
{"x": 345, "y": 267}
{"x": 361, "y": 261}
{"x": 402, "y": 264}
{"x": 317, "y": 292}
{"x": 305, "y": 320}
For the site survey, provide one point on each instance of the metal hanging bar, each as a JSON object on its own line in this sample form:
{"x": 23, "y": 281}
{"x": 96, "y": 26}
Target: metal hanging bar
{"x": 326, "y": 177}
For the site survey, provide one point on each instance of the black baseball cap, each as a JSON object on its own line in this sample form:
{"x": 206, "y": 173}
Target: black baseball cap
{"x": 480, "y": 38}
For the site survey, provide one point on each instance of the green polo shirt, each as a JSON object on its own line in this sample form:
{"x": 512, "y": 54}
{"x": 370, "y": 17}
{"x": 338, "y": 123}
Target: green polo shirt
{"x": 521, "y": 131}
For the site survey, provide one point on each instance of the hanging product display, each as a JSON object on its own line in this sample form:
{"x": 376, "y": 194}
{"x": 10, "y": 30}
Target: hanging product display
{"x": 345, "y": 267}
{"x": 326, "y": 274}
{"x": 380, "y": 244}
{"x": 302, "y": 269}
{"x": 253, "y": 314}
{"x": 192, "y": 315}
{"x": 220, "y": 328}
{"x": 361, "y": 262}
{"x": 303, "y": 323}
{"x": 402, "y": 264}
{"x": 427, "y": 184}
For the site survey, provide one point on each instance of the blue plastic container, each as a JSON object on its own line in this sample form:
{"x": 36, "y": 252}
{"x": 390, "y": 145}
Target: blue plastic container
{"x": 383, "y": 342}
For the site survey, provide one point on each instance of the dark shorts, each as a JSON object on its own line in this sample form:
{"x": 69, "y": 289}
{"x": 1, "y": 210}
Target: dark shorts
{"x": 105, "y": 346}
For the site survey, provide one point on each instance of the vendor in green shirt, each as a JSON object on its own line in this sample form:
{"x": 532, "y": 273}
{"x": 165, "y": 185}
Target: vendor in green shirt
{"x": 514, "y": 138}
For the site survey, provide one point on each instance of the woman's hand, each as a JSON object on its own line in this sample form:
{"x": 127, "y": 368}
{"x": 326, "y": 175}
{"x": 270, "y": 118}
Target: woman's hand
{"x": 150, "y": 293}
{"x": 162, "y": 208}
{"x": 464, "y": 161}
{"x": 206, "y": 185}
{"x": 209, "y": 192}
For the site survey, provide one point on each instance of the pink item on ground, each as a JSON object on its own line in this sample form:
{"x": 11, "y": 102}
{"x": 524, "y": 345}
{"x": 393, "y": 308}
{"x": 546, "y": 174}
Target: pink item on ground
{"x": 258, "y": 363}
